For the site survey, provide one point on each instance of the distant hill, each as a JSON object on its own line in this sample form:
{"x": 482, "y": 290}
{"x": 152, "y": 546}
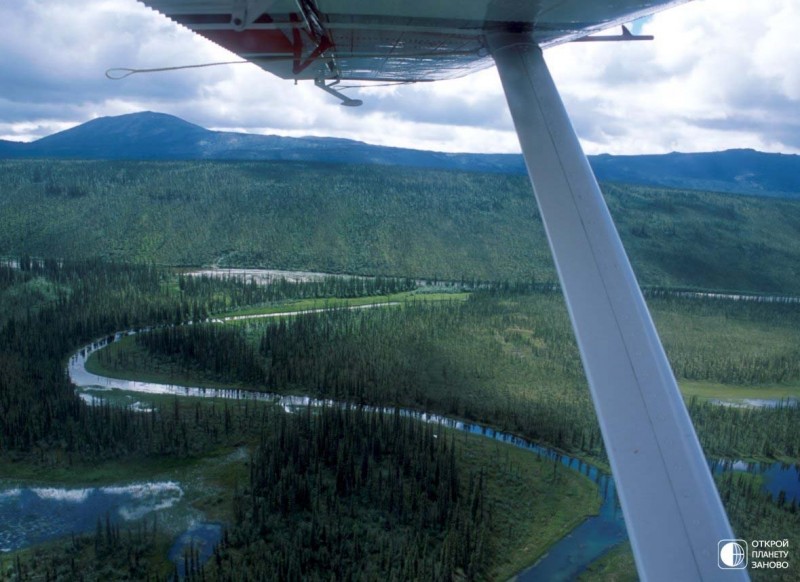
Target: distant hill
{"x": 10, "y": 149}
{"x": 736, "y": 171}
{"x": 137, "y": 136}
{"x": 157, "y": 136}
{"x": 373, "y": 219}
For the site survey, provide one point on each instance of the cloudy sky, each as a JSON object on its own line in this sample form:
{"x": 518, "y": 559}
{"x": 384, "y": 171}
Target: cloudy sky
{"x": 721, "y": 74}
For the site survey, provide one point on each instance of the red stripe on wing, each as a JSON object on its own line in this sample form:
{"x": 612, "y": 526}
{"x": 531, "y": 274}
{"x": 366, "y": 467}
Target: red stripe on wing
{"x": 251, "y": 41}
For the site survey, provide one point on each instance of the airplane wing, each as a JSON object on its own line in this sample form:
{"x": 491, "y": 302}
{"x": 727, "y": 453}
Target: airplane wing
{"x": 675, "y": 519}
{"x": 393, "y": 40}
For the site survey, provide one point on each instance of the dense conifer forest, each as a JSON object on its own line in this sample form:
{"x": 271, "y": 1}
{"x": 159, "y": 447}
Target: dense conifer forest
{"x": 504, "y": 359}
{"x": 396, "y": 502}
{"x": 374, "y": 220}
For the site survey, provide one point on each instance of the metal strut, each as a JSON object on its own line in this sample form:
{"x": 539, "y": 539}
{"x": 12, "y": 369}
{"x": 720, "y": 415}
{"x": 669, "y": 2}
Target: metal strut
{"x": 328, "y": 88}
{"x": 672, "y": 509}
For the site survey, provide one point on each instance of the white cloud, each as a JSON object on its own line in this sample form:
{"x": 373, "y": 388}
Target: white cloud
{"x": 719, "y": 75}
{"x": 31, "y": 130}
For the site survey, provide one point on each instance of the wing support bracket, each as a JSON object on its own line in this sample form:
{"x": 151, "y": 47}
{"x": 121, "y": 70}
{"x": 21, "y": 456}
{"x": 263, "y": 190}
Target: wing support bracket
{"x": 328, "y": 88}
{"x": 246, "y": 12}
{"x": 672, "y": 509}
{"x": 322, "y": 44}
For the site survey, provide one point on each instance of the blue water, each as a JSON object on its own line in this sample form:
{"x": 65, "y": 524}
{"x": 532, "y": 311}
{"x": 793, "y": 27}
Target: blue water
{"x": 777, "y": 477}
{"x": 30, "y": 515}
{"x": 586, "y": 543}
{"x": 781, "y": 477}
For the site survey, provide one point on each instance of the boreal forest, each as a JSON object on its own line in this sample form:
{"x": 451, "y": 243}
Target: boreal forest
{"x": 413, "y": 408}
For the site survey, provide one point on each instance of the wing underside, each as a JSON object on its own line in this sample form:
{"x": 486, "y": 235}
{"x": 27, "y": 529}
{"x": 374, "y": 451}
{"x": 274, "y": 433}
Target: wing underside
{"x": 402, "y": 41}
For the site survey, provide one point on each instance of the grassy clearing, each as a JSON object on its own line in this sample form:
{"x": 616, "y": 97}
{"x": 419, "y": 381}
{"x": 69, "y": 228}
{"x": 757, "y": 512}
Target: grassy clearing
{"x": 534, "y": 503}
{"x": 58, "y": 470}
{"x": 615, "y": 566}
{"x": 334, "y": 303}
{"x": 731, "y": 393}
{"x": 132, "y": 362}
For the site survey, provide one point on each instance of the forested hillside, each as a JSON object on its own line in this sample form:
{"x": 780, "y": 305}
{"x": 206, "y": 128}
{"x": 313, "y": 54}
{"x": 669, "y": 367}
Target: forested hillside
{"x": 377, "y": 220}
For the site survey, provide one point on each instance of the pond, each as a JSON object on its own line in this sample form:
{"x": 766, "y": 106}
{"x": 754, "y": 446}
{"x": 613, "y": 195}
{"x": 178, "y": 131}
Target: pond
{"x": 33, "y": 514}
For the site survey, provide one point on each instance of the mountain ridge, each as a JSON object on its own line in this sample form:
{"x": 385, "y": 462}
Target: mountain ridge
{"x": 158, "y": 136}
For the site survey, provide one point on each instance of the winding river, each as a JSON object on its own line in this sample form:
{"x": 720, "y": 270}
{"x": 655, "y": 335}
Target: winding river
{"x": 24, "y": 510}
{"x": 565, "y": 559}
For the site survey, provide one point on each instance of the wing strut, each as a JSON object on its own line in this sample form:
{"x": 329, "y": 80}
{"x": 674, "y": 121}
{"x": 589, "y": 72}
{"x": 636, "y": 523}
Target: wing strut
{"x": 672, "y": 509}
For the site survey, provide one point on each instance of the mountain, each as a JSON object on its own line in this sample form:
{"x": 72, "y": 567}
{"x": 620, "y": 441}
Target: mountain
{"x": 144, "y": 135}
{"x": 157, "y": 136}
{"x": 736, "y": 171}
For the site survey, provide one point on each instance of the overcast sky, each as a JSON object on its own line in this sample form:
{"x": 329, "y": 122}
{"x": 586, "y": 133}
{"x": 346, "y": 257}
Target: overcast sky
{"x": 720, "y": 74}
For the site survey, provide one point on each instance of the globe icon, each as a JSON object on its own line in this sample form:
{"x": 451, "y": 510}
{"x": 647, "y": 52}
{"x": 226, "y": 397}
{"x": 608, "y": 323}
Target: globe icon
{"x": 732, "y": 555}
